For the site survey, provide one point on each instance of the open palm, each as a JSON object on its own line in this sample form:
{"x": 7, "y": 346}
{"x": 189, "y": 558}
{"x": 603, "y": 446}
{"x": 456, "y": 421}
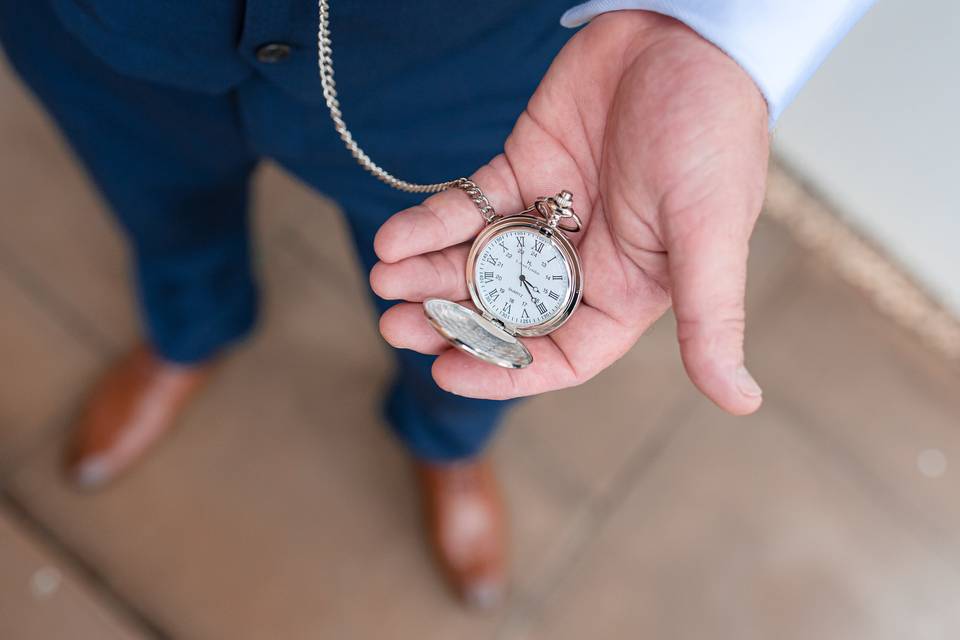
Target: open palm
{"x": 663, "y": 141}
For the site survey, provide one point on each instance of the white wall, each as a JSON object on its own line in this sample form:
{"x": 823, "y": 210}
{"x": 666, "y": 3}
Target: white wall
{"x": 877, "y": 130}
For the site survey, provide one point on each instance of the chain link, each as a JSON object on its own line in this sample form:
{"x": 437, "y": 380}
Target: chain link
{"x": 325, "y": 66}
{"x": 470, "y": 188}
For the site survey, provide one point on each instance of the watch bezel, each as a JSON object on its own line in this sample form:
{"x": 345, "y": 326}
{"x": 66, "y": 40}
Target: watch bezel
{"x": 571, "y": 259}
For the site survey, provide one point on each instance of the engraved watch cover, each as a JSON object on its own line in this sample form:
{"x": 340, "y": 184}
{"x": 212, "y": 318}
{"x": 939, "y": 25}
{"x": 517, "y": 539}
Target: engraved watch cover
{"x": 470, "y": 332}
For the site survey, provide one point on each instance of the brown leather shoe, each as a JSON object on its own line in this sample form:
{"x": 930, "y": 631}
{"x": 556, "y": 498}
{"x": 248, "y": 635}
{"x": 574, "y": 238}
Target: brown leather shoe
{"x": 466, "y": 524}
{"x": 130, "y": 408}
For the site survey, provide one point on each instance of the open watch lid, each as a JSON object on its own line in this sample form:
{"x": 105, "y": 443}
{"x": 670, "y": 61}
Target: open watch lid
{"x": 470, "y": 332}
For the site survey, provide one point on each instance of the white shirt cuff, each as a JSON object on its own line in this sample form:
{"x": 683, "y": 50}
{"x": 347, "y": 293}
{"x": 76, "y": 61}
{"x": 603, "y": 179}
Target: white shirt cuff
{"x": 780, "y": 43}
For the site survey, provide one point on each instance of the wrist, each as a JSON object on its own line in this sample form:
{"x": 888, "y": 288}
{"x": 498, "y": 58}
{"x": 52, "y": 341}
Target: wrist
{"x": 679, "y": 58}
{"x": 778, "y": 43}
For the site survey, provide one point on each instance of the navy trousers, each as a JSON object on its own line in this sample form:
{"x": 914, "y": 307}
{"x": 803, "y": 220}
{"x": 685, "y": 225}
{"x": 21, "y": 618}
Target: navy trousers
{"x": 170, "y": 105}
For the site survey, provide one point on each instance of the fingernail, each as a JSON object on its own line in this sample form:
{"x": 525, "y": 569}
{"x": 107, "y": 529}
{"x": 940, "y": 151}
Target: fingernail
{"x": 747, "y": 385}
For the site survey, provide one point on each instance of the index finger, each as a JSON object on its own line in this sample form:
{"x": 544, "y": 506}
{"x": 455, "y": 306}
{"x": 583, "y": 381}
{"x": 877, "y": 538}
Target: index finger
{"x": 447, "y": 218}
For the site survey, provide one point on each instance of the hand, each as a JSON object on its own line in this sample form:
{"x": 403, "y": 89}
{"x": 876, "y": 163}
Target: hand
{"x": 663, "y": 141}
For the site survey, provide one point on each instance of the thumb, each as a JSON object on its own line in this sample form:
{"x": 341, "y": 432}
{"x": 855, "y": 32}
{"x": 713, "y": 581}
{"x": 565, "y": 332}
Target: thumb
{"x": 708, "y": 271}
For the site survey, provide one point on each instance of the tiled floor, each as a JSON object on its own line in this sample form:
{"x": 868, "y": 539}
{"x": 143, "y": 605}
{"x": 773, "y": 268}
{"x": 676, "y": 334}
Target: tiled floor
{"x": 281, "y": 509}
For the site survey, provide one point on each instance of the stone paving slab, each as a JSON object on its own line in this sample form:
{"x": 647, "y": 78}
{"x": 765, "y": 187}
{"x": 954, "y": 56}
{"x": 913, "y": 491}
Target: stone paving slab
{"x": 43, "y": 598}
{"x": 747, "y": 529}
{"x": 876, "y": 399}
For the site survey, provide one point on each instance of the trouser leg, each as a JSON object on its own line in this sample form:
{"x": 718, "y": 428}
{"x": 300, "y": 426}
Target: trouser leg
{"x": 173, "y": 166}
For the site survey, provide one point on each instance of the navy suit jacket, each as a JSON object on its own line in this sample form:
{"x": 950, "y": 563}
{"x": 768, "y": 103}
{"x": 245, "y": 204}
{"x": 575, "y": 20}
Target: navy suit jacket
{"x": 210, "y": 45}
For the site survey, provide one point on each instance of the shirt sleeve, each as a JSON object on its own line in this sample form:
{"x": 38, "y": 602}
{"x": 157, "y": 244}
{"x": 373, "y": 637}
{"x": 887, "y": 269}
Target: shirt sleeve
{"x": 780, "y": 43}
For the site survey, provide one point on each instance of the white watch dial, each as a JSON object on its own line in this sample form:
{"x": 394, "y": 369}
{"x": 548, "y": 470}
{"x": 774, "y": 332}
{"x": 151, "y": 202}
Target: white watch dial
{"x": 522, "y": 277}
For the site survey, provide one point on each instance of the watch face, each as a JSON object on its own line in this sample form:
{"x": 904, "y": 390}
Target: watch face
{"x": 522, "y": 277}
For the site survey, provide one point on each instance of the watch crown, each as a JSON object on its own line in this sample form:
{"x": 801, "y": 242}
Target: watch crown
{"x": 564, "y": 199}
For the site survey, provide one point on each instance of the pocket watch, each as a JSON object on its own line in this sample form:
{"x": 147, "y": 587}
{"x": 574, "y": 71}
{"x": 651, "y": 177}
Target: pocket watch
{"x": 524, "y": 277}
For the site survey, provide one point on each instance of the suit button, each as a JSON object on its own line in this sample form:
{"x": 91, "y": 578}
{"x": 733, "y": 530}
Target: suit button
{"x": 273, "y": 52}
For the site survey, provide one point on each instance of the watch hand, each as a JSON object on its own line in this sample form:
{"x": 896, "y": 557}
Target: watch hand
{"x": 526, "y": 284}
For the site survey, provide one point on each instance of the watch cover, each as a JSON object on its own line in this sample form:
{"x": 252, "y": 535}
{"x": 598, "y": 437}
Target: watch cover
{"x": 470, "y": 332}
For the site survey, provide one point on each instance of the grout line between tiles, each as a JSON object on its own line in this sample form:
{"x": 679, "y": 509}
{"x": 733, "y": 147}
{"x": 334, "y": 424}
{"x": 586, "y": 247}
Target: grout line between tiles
{"x": 599, "y": 508}
{"x": 59, "y": 310}
{"x": 113, "y": 598}
{"x": 879, "y": 492}
{"x": 50, "y": 431}
{"x": 577, "y": 539}
{"x": 550, "y": 472}
{"x": 885, "y": 496}
{"x": 293, "y": 244}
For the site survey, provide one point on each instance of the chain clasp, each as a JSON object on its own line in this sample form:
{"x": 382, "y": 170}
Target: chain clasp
{"x": 558, "y": 212}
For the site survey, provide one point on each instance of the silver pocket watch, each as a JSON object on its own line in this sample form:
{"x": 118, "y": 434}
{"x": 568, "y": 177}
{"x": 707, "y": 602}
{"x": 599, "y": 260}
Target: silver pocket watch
{"x": 524, "y": 277}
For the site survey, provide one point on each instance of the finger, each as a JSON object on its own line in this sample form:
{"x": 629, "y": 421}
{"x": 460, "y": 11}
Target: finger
{"x": 708, "y": 268}
{"x": 405, "y": 327}
{"x": 587, "y": 344}
{"x": 439, "y": 274}
{"x": 447, "y": 218}
{"x": 464, "y": 375}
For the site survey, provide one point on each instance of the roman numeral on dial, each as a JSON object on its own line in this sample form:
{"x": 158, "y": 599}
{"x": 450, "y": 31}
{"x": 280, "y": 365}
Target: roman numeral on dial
{"x": 542, "y": 308}
{"x": 554, "y": 295}
{"x": 488, "y": 276}
{"x": 537, "y": 246}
